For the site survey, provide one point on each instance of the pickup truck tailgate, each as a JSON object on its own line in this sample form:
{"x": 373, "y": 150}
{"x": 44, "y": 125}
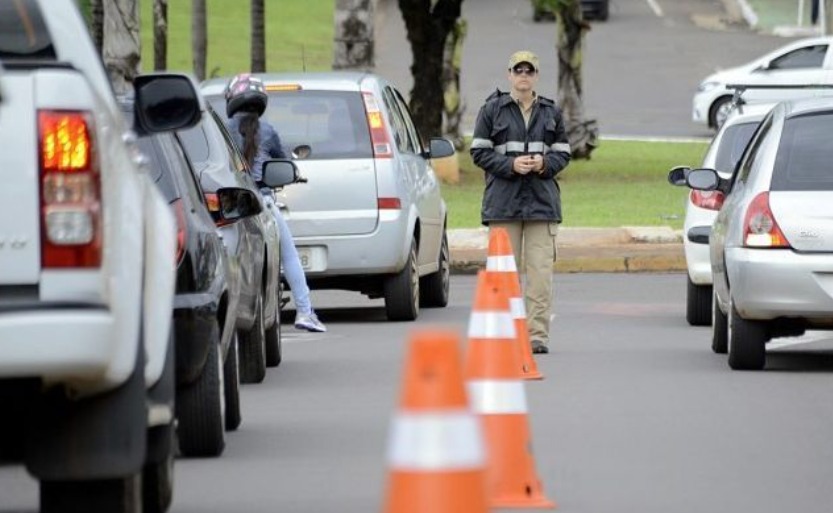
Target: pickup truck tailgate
{"x": 20, "y": 259}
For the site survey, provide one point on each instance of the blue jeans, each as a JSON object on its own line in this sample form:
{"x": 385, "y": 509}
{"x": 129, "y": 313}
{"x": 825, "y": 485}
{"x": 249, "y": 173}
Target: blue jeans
{"x": 291, "y": 263}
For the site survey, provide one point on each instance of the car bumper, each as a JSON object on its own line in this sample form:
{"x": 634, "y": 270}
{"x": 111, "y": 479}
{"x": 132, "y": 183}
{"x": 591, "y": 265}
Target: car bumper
{"x": 195, "y": 329}
{"x": 698, "y": 262}
{"x": 767, "y": 284}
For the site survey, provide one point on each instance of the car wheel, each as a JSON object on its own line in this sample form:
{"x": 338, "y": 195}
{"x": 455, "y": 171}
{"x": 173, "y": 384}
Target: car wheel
{"x": 402, "y": 290}
{"x": 747, "y": 342}
{"x": 604, "y": 12}
{"x": 274, "y": 348}
{"x": 719, "y": 111}
{"x": 93, "y": 496}
{"x": 698, "y": 304}
{"x": 158, "y": 476}
{"x": 231, "y": 379}
{"x": 252, "y": 347}
{"x": 433, "y": 289}
{"x": 200, "y": 410}
{"x": 720, "y": 328}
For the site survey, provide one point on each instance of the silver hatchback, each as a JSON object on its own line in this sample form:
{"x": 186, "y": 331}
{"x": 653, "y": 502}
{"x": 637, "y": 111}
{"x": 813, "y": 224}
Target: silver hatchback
{"x": 771, "y": 245}
{"x": 370, "y": 217}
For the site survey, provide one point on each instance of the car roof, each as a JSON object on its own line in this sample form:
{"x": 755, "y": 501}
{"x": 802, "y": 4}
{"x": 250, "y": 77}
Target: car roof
{"x": 803, "y": 106}
{"x": 747, "y": 113}
{"x": 323, "y": 80}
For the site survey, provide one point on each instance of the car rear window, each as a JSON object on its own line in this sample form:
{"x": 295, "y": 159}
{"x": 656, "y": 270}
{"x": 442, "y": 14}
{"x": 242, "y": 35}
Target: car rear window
{"x": 23, "y": 33}
{"x": 732, "y": 144}
{"x": 332, "y": 123}
{"x": 805, "y": 154}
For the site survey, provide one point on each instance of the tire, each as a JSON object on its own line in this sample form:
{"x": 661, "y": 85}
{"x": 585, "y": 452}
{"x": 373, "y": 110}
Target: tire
{"x": 402, "y": 290}
{"x": 720, "y": 329}
{"x": 747, "y": 342}
{"x": 698, "y": 303}
{"x": 231, "y": 382}
{"x": 718, "y": 111}
{"x": 94, "y": 496}
{"x": 274, "y": 346}
{"x": 158, "y": 479}
{"x": 604, "y": 12}
{"x": 252, "y": 347}
{"x": 433, "y": 289}
{"x": 200, "y": 410}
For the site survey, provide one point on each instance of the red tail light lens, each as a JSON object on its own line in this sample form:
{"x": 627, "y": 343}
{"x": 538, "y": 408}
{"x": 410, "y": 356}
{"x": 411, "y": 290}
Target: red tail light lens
{"x": 378, "y": 131}
{"x": 70, "y": 191}
{"x": 760, "y": 229}
{"x": 389, "y": 204}
{"x": 181, "y": 228}
{"x": 710, "y": 200}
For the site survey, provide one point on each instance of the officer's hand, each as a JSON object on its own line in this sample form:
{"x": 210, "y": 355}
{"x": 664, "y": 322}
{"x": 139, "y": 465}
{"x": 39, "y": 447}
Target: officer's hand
{"x": 522, "y": 165}
{"x": 538, "y": 164}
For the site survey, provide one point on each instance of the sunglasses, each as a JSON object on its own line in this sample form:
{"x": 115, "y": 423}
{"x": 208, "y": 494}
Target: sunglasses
{"x": 523, "y": 70}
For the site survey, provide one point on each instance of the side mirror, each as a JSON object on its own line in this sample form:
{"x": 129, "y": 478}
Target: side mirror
{"x": 703, "y": 179}
{"x": 677, "y": 175}
{"x": 279, "y": 172}
{"x": 165, "y": 102}
{"x": 236, "y": 203}
{"x": 439, "y": 148}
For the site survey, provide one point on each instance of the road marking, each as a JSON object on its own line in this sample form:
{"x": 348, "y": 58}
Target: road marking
{"x": 654, "y": 5}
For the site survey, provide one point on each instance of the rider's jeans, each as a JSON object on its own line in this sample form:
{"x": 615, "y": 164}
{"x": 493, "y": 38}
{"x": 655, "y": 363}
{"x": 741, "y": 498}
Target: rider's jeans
{"x": 291, "y": 263}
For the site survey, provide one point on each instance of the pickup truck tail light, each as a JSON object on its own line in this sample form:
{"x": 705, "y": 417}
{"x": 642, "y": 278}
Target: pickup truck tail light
{"x": 70, "y": 196}
{"x": 760, "y": 229}
{"x": 709, "y": 200}
{"x": 378, "y": 131}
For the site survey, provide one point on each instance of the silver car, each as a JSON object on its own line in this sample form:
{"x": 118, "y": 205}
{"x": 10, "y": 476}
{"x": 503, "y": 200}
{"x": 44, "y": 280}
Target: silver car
{"x": 771, "y": 244}
{"x": 370, "y": 217}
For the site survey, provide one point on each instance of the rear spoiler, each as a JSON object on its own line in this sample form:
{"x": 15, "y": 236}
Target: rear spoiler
{"x": 738, "y": 102}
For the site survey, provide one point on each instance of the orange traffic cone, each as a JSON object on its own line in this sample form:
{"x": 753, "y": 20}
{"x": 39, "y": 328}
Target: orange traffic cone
{"x": 436, "y": 452}
{"x": 497, "y": 394}
{"x": 501, "y": 260}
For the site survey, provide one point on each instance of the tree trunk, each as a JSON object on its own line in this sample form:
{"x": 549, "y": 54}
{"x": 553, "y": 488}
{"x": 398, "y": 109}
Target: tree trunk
{"x": 582, "y": 133}
{"x": 428, "y": 27}
{"x": 354, "y": 38}
{"x": 258, "y": 36}
{"x": 453, "y": 106}
{"x": 199, "y": 37}
{"x": 121, "y": 43}
{"x": 160, "y": 34}
{"x": 97, "y": 24}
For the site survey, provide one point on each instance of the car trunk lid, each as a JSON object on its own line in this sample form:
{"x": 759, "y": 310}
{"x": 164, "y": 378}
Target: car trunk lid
{"x": 805, "y": 218}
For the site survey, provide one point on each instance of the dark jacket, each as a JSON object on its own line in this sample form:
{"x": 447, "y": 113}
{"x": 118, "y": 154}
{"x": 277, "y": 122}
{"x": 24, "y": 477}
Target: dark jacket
{"x": 500, "y": 135}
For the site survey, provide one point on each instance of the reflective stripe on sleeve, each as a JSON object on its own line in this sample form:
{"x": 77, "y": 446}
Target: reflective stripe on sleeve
{"x": 501, "y": 264}
{"x": 491, "y": 325}
{"x": 516, "y": 304}
{"x": 564, "y": 147}
{"x": 536, "y": 147}
{"x": 436, "y": 441}
{"x": 488, "y": 397}
{"x": 515, "y": 146}
{"x": 500, "y": 148}
{"x": 481, "y": 143}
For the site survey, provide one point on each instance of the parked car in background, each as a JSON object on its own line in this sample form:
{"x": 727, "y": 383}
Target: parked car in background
{"x": 253, "y": 245}
{"x": 371, "y": 217}
{"x": 86, "y": 270}
{"x": 723, "y": 154}
{"x": 590, "y": 9}
{"x": 804, "y": 62}
{"x": 772, "y": 241}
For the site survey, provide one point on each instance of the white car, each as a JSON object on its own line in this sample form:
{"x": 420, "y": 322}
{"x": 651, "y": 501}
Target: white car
{"x": 723, "y": 154}
{"x": 805, "y": 62}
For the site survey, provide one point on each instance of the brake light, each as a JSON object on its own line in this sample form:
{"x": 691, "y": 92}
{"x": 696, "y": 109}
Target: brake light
{"x": 212, "y": 202}
{"x": 70, "y": 190}
{"x": 760, "y": 229}
{"x": 389, "y": 204}
{"x": 181, "y": 228}
{"x": 710, "y": 200}
{"x": 378, "y": 131}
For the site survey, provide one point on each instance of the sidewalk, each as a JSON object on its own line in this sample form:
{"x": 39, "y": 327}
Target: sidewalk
{"x": 626, "y": 249}
{"x": 787, "y": 18}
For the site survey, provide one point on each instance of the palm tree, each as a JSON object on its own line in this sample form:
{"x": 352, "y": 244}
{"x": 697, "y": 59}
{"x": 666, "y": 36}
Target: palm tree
{"x": 160, "y": 34}
{"x": 121, "y": 43}
{"x": 258, "y": 36}
{"x": 354, "y": 38}
{"x": 199, "y": 37}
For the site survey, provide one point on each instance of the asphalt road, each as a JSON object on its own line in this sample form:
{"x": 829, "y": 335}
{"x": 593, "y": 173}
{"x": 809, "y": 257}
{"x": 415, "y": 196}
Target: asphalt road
{"x": 641, "y": 68}
{"x": 635, "y": 413}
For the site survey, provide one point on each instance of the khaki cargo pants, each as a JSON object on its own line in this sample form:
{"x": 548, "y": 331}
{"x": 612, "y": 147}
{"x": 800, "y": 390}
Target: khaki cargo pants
{"x": 533, "y": 243}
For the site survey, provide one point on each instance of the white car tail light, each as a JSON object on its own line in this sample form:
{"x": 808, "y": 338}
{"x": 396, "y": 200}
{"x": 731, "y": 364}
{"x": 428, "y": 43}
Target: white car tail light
{"x": 70, "y": 190}
{"x": 378, "y": 131}
{"x": 709, "y": 200}
{"x": 760, "y": 229}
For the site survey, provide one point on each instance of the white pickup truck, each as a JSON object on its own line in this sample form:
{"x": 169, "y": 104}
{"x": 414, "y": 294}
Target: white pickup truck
{"x": 87, "y": 250}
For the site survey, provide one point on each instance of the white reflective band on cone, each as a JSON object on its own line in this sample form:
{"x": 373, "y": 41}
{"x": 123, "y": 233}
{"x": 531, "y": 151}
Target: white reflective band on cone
{"x": 497, "y": 397}
{"x": 501, "y": 264}
{"x": 436, "y": 441}
{"x": 516, "y": 304}
{"x": 491, "y": 325}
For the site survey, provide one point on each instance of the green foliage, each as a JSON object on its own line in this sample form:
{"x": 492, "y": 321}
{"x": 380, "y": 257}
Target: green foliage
{"x": 298, "y": 35}
{"x": 624, "y": 184}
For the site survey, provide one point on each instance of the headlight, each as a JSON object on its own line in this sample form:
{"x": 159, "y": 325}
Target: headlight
{"x": 705, "y": 86}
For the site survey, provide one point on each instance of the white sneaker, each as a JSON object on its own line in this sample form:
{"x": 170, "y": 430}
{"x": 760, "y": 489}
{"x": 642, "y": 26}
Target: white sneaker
{"x": 309, "y": 322}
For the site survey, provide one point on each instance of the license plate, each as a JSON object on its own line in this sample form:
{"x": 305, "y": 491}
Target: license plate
{"x": 312, "y": 258}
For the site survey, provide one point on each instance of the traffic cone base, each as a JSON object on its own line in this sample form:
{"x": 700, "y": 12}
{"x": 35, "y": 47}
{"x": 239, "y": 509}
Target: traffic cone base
{"x": 420, "y": 493}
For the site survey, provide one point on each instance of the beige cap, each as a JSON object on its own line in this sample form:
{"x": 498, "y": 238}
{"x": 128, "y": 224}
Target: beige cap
{"x": 523, "y": 56}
